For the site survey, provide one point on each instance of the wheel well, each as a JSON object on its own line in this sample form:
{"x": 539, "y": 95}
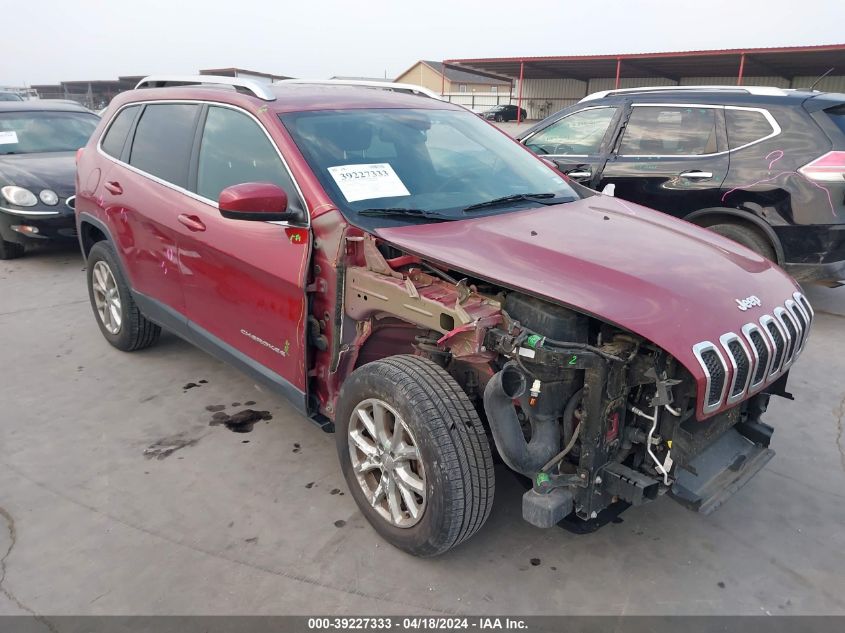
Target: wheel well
{"x": 90, "y": 236}
{"x": 707, "y": 219}
{"x": 390, "y": 337}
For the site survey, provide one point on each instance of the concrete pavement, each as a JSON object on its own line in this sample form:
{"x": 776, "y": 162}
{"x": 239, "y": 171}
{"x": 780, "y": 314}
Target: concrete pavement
{"x": 261, "y": 522}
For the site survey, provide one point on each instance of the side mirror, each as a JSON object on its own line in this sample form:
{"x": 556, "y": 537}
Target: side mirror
{"x": 257, "y": 201}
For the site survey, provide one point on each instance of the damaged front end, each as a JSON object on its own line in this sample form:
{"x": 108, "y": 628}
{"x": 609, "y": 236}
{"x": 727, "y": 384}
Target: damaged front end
{"x": 597, "y": 417}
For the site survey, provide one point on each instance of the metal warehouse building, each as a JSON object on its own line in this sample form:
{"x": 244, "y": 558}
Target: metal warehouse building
{"x": 543, "y": 85}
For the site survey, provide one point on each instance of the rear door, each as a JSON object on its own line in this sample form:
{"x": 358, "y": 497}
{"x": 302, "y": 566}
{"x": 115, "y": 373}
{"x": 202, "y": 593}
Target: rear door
{"x": 141, "y": 195}
{"x": 670, "y": 157}
{"x": 244, "y": 281}
{"x": 578, "y": 142}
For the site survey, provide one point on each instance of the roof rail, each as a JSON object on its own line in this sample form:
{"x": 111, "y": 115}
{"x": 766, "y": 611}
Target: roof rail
{"x": 381, "y": 85}
{"x": 768, "y": 91}
{"x": 254, "y": 88}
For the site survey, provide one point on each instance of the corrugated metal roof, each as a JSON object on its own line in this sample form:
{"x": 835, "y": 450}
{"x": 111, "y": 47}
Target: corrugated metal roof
{"x": 784, "y": 62}
{"x": 464, "y": 76}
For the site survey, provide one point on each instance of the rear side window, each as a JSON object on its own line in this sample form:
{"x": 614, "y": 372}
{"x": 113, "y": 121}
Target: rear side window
{"x": 669, "y": 131}
{"x": 746, "y": 126}
{"x": 235, "y": 150}
{"x": 115, "y": 136}
{"x": 837, "y": 115}
{"x": 578, "y": 133}
{"x": 162, "y": 143}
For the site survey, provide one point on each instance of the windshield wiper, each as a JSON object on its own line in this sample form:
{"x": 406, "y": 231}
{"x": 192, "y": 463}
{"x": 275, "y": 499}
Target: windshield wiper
{"x": 533, "y": 197}
{"x": 405, "y": 212}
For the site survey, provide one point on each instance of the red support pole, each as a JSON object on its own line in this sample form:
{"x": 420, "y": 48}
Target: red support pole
{"x": 741, "y": 68}
{"x": 519, "y": 101}
{"x": 618, "y": 72}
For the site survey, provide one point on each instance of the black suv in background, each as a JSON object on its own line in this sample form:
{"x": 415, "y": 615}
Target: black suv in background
{"x": 762, "y": 166}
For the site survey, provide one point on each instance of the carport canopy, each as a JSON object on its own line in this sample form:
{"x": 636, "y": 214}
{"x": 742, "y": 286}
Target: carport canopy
{"x": 786, "y": 62}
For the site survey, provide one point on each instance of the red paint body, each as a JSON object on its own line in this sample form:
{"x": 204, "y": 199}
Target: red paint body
{"x": 669, "y": 281}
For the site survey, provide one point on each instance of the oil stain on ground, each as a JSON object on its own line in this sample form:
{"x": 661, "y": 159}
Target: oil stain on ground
{"x": 240, "y": 422}
{"x": 166, "y": 446}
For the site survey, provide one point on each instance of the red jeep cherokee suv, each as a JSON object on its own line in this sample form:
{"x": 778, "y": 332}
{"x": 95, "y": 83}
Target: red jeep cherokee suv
{"x": 413, "y": 279}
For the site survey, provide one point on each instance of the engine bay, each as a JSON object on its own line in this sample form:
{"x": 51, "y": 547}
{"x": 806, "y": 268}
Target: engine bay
{"x": 595, "y": 417}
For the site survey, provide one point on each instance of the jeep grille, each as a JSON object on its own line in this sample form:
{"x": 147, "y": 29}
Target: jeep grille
{"x": 756, "y": 357}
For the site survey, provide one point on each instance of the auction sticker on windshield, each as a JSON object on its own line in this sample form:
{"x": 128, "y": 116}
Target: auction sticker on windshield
{"x": 8, "y": 138}
{"x": 365, "y": 182}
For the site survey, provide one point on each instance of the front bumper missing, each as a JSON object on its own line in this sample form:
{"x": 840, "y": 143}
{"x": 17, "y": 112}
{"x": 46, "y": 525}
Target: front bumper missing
{"x": 714, "y": 475}
{"x": 702, "y": 483}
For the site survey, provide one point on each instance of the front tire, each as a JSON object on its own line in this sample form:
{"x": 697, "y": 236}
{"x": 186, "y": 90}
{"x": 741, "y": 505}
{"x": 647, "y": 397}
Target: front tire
{"x": 414, "y": 454}
{"x": 748, "y": 237}
{"x": 119, "y": 318}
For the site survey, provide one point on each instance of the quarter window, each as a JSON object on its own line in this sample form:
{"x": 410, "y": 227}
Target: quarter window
{"x": 670, "y": 131}
{"x": 163, "y": 139}
{"x": 236, "y": 150}
{"x": 578, "y": 133}
{"x": 746, "y": 126}
{"x": 115, "y": 137}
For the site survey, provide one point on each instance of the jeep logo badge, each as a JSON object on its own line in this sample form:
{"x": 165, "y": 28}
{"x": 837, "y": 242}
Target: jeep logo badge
{"x": 748, "y": 302}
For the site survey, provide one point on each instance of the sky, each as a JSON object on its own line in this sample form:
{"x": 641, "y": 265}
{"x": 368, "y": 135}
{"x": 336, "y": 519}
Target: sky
{"x": 47, "y": 41}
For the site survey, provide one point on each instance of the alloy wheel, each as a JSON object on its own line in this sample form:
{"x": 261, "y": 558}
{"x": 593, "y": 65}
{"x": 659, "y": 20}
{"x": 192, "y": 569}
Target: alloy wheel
{"x": 107, "y": 297}
{"x": 387, "y": 463}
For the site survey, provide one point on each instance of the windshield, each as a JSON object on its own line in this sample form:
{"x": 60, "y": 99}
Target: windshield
{"x": 404, "y": 165}
{"x": 35, "y": 132}
{"x": 9, "y": 96}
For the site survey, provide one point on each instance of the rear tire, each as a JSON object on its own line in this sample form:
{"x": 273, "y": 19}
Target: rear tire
{"x": 748, "y": 237}
{"x": 452, "y": 466}
{"x": 11, "y": 250}
{"x": 117, "y": 315}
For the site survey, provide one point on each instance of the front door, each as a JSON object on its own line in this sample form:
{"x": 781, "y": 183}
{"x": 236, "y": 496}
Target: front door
{"x": 244, "y": 281}
{"x": 578, "y": 141}
{"x": 671, "y": 158}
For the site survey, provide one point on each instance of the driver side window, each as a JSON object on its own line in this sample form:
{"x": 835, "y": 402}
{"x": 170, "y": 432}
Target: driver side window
{"x": 235, "y": 150}
{"x": 578, "y": 133}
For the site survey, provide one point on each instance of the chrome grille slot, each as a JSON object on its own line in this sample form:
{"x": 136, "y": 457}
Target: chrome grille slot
{"x": 778, "y": 341}
{"x": 806, "y": 311}
{"x": 791, "y": 335}
{"x": 760, "y": 352}
{"x": 802, "y": 301}
{"x": 715, "y": 371}
{"x": 801, "y": 323}
{"x": 740, "y": 362}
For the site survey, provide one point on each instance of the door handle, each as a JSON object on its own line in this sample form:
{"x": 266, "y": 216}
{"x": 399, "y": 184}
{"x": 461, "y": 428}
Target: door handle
{"x": 579, "y": 174}
{"x": 191, "y": 221}
{"x": 113, "y": 187}
{"x": 697, "y": 175}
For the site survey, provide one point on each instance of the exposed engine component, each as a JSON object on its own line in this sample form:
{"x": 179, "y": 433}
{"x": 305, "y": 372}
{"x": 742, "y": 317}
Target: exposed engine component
{"x": 526, "y": 457}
